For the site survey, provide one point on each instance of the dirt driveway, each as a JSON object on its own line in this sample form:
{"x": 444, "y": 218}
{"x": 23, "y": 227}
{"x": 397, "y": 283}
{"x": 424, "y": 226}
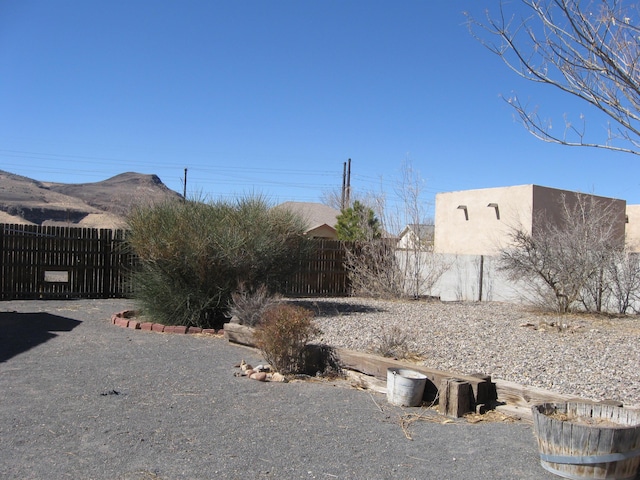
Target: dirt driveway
{"x": 83, "y": 399}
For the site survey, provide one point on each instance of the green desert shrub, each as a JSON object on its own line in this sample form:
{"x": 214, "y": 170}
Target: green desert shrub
{"x": 194, "y": 255}
{"x": 282, "y": 335}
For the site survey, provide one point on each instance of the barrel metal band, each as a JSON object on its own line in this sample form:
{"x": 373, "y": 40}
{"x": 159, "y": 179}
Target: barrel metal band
{"x": 589, "y": 459}
{"x": 572, "y": 476}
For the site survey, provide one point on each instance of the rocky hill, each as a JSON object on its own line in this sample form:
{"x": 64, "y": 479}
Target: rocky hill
{"x": 102, "y": 204}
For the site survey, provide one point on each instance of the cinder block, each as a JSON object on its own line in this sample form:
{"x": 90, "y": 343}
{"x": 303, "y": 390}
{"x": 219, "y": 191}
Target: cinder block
{"x": 134, "y": 325}
{"x": 209, "y": 331}
{"x": 180, "y": 329}
{"x": 146, "y": 326}
{"x": 194, "y": 330}
{"x": 157, "y": 327}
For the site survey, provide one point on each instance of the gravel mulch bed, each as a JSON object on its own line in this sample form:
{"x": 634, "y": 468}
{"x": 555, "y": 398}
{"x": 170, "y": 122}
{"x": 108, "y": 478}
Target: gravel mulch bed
{"x": 592, "y": 357}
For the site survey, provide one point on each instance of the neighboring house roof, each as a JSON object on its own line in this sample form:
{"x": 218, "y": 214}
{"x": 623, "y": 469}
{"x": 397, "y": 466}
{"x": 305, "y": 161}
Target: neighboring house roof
{"x": 316, "y": 214}
{"x": 416, "y": 233}
{"x": 422, "y": 230}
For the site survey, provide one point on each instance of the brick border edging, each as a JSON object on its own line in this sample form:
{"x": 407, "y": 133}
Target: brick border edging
{"x": 124, "y": 319}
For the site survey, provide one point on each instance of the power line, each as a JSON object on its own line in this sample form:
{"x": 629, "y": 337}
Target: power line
{"x": 212, "y": 168}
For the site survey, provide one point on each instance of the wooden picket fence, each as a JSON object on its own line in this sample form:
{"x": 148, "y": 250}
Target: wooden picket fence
{"x": 68, "y": 262}
{"x": 63, "y": 262}
{"x": 323, "y": 274}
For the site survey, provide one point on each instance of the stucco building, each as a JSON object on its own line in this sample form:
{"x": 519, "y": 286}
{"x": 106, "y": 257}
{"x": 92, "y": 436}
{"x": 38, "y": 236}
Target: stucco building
{"x": 479, "y": 222}
{"x": 633, "y": 228}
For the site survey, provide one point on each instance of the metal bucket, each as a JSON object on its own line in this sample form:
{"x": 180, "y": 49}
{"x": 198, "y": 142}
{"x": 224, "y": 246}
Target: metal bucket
{"x": 405, "y": 387}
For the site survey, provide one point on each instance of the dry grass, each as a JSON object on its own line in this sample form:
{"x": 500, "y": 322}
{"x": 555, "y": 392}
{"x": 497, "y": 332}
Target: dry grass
{"x": 395, "y": 343}
{"x": 431, "y": 415}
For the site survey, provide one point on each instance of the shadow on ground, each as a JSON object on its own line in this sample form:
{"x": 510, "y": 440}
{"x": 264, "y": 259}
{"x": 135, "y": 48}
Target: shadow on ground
{"x": 328, "y": 308}
{"x": 20, "y": 332}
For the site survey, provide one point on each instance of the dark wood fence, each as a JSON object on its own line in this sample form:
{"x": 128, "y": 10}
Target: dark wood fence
{"x": 63, "y": 262}
{"x": 323, "y": 274}
{"x": 66, "y": 262}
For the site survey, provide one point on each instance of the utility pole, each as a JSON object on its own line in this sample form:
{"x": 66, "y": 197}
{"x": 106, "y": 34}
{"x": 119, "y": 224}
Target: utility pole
{"x": 348, "y": 189}
{"x": 184, "y": 194}
{"x": 344, "y": 186}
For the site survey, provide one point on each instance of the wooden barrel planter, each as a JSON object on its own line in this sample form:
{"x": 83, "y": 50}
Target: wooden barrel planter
{"x": 583, "y": 440}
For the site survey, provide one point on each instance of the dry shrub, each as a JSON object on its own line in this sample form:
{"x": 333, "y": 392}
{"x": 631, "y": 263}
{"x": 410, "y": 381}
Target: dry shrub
{"x": 395, "y": 343}
{"x": 282, "y": 336}
{"x": 248, "y": 307}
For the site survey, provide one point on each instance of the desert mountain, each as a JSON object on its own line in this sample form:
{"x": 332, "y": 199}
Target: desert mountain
{"x": 99, "y": 205}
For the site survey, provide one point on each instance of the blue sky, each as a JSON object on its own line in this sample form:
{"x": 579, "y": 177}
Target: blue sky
{"x": 272, "y": 97}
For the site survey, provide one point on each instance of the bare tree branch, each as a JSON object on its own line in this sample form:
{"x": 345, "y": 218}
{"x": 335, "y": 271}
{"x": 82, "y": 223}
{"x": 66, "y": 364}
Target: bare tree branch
{"x": 587, "y": 49}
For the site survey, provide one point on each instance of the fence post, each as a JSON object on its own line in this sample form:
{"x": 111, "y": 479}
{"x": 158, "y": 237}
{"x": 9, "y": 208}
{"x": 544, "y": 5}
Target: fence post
{"x": 107, "y": 274}
{"x": 480, "y": 280}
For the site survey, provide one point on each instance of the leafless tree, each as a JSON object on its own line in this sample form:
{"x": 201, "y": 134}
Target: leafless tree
{"x": 332, "y": 198}
{"x": 587, "y": 49}
{"x": 421, "y": 268}
{"x": 371, "y": 262}
{"x": 623, "y": 275}
{"x": 564, "y": 258}
{"x": 377, "y": 266}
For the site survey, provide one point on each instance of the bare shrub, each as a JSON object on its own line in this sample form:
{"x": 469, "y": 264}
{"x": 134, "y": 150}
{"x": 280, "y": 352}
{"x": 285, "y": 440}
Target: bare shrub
{"x": 563, "y": 259}
{"x": 395, "y": 343}
{"x": 378, "y": 266}
{"x": 623, "y": 275}
{"x": 282, "y": 336}
{"x": 374, "y": 270}
{"x": 248, "y": 307}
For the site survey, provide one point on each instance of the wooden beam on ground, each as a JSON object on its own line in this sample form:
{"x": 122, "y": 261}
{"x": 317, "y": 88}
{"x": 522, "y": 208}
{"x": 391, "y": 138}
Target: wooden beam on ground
{"x": 236, "y": 333}
{"x": 522, "y": 396}
{"x": 366, "y": 382}
{"x": 517, "y": 413}
{"x": 482, "y": 387}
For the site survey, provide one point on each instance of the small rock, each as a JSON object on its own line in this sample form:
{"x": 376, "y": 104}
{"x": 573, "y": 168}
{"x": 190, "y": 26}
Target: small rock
{"x": 260, "y": 376}
{"x": 278, "y": 377}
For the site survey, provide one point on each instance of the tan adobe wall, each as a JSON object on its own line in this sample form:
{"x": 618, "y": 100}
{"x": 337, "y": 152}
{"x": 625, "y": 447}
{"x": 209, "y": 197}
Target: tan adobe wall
{"x": 467, "y": 221}
{"x": 483, "y": 227}
{"x": 633, "y": 228}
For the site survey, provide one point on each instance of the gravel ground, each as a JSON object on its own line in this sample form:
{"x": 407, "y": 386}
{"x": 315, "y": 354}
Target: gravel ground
{"x": 583, "y": 355}
{"x": 81, "y": 398}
